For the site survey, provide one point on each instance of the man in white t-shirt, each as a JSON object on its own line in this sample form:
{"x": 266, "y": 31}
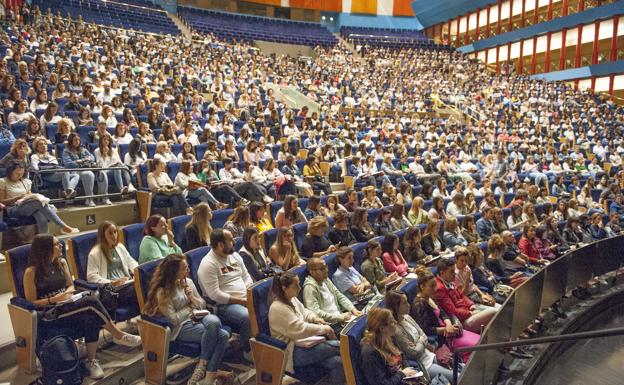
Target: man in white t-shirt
{"x": 224, "y": 279}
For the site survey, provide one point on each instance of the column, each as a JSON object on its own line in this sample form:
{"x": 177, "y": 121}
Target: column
{"x": 550, "y": 10}
{"x": 466, "y": 41}
{"x": 595, "y": 47}
{"x": 498, "y": 22}
{"x": 534, "y": 56}
{"x": 547, "y": 63}
{"x": 476, "y": 36}
{"x": 577, "y": 54}
{"x": 509, "y": 22}
{"x": 448, "y": 32}
{"x": 487, "y": 28}
{"x": 522, "y": 22}
{"x": 613, "y": 55}
{"x": 565, "y": 7}
{"x": 563, "y": 49}
{"x": 497, "y": 58}
{"x": 520, "y": 58}
{"x": 457, "y": 37}
{"x": 536, "y": 13}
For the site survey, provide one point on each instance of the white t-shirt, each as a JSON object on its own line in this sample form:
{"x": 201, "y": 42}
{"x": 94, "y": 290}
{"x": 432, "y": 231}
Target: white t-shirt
{"x": 329, "y": 302}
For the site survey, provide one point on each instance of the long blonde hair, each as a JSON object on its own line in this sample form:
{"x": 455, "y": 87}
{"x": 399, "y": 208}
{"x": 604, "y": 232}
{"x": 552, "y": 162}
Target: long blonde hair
{"x": 202, "y": 214}
{"x": 377, "y": 319}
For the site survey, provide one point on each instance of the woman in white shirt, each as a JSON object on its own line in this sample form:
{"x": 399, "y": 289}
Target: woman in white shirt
{"x": 108, "y": 117}
{"x": 50, "y": 116}
{"x": 188, "y": 135}
{"x": 107, "y": 156}
{"x": 135, "y": 156}
{"x": 109, "y": 263}
{"x": 192, "y": 187}
{"x": 291, "y": 322}
{"x": 40, "y": 102}
{"x": 20, "y": 113}
{"x": 121, "y": 135}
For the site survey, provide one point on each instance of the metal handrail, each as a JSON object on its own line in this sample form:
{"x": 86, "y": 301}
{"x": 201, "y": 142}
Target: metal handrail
{"x": 534, "y": 341}
{"x": 96, "y": 169}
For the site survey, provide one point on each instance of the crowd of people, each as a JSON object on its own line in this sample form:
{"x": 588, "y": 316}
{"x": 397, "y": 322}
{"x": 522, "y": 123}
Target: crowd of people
{"x": 438, "y": 186}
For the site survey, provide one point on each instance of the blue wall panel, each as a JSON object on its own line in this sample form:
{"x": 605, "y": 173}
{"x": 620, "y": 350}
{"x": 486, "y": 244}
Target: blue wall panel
{"x": 374, "y": 21}
{"x": 597, "y": 70}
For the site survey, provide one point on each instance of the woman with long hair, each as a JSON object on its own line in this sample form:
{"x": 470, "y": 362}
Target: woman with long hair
{"x": 109, "y": 264}
{"x": 434, "y": 321}
{"x": 290, "y": 213}
{"x": 290, "y": 321}
{"x": 360, "y": 227}
{"x": 397, "y": 217}
{"x": 258, "y": 217}
{"x": 107, "y": 156}
{"x": 371, "y": 200}
{"x": 411, "y": 339}
{"x": 238, "y": 221}
{"x": 48, "y": 283}
{"x": 452, "y": 237}
{"x": 432, "y": 244}
{"x": 256, "y": 261}
{"x": 412, "y": 247}
{"x": 197, "y": 231}
{"x": 381, "y": 360}
{"x": 283, "y": 253}
{"x": 417, "y": 215}
{"x": 392, "y": 257}
{"x": 173, "y": 294}
{"x": 373, "y": 270}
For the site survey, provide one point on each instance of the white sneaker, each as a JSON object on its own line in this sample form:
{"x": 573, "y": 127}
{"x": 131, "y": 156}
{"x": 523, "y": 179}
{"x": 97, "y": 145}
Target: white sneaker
{"x": 267, "y": 199}
{"x": 107, "y": 202}
{"x": 248, "y": 356}
{"x": 95, "y": 370}
{"x": 131, "y": 188}
{"x": 89, "y": 203}
{"x": 128, "y": 340}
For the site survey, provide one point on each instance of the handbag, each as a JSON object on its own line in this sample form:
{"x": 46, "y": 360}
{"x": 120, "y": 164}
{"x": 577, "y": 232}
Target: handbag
{"x": 169, "y": 190}
{"x": 109, "y": 296}
{"x": 444, "y": 356}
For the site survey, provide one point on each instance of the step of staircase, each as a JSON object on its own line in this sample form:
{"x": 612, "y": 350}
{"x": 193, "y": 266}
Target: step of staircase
{"x": 349, "y": 46}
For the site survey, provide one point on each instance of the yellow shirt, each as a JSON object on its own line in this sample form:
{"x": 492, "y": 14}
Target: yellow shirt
{"x": 264, "y": 225}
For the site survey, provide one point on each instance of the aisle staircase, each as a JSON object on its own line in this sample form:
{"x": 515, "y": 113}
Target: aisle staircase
{"x": 186, "y": 31}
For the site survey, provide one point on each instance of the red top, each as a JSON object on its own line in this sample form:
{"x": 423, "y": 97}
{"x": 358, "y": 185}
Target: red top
{"x": 395, "y": 262}
{"x": 452, "y": 300}
{"x": 528, "y": 248}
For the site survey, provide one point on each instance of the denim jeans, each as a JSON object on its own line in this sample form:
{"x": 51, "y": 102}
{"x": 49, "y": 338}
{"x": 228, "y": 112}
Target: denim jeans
{"x": 42, "y": 214}
{"x": 203, "y": 195}
{"x": 68, "y": 179}
{"x": 88, "y": 179}
{"x": 122, "y": 179}
{"x": 326, "y": 354}
{"x": 237, "y": 316}
{"x": 212, "y": 337}
{"x": 539, "y": 177}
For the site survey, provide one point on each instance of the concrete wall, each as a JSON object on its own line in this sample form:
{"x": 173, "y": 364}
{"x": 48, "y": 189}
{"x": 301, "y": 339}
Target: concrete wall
{"x": 284, "y": 49}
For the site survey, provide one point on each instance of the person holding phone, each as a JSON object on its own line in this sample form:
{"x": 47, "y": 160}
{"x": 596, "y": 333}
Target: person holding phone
{"x": 173, "y": 294}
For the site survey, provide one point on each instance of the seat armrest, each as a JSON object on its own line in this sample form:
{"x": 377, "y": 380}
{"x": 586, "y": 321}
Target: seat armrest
{"x": 82, "y": 284}
{"x": 158, "y": 320}
{"x": 267, "y": 339}
{"x": 23, "y": 303}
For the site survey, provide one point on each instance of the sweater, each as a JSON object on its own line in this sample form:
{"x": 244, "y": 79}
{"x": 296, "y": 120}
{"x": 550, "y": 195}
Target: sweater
{"x": 155, "y": 248}
{"x": 313, "y": 299}
{"x": 221, "y": 278}
{"x": 289, "y": 325}
{"x": 97, "y": 265}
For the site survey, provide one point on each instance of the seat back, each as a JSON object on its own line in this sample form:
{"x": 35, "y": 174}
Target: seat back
{"x": 299, "y": 231}
{"x": 142, "y": 278}
{"x": 269, "y": 237}
{"x": 410, "y": 288}
{"x": 219, "y": 217}
{"x": 132, "y": 236}
{"x": 194, "y": 258}
{"x": 350, "y": 349}
{"x": 177, "y": 225}
{"x": 78, "y": 249}
{"x": 258, "y": 297}
{"x": 359, "y": 254}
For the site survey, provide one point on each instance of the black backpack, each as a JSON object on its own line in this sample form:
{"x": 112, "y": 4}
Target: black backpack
{"x": 60, "y": 363}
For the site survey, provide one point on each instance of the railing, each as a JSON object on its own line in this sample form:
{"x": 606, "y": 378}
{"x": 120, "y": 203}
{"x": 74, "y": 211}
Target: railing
{"x": 77, "y": 170}
{"x": 535, "y": 341}
{"x": 538, "y": 293}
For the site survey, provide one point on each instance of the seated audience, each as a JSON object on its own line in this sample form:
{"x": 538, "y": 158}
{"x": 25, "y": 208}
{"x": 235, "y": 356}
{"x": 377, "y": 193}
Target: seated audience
{"x": 350, "y": 282}
{"x": 258, "y": 265}
{"x": 373, "y": 270}
{"x": 48, "y": 283}
{"x": 283, "y": 252}
{"x": 360, "y": 228}
{"x": 290, "y": 213}
{"x": 340, "y": 234}
{"x": 315, "y": 243}
{"x": 173, "y": 294}
{"x": 392, "y": 258}
{"x": 164, "y": 190}
{"x": 290, "y": 321}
